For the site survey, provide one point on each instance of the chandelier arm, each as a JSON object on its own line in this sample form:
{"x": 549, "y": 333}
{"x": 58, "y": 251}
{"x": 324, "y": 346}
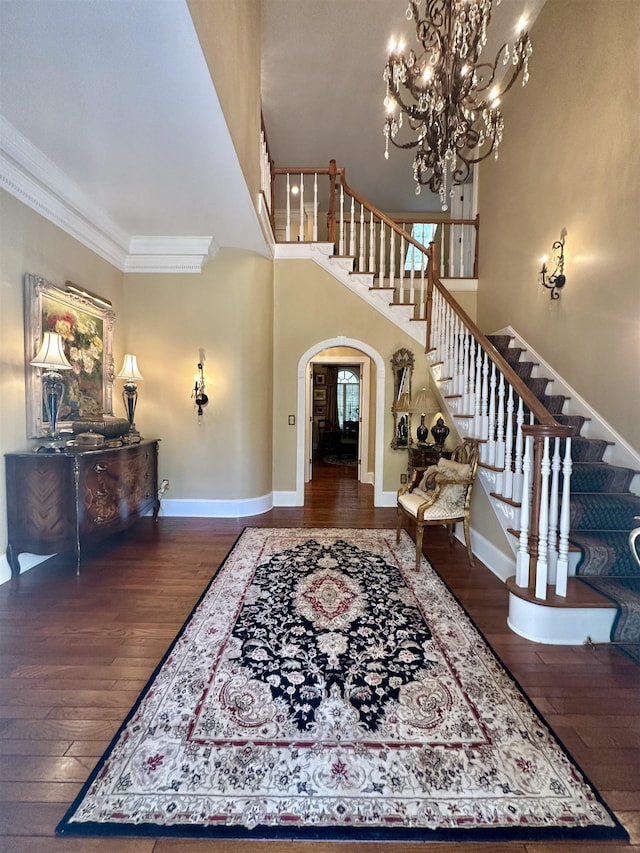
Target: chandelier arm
{"x": 454, "y": 112}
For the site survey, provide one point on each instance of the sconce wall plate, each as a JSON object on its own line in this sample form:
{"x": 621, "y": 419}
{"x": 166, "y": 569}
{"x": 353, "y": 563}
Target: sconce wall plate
{"x": 556, "y": 280}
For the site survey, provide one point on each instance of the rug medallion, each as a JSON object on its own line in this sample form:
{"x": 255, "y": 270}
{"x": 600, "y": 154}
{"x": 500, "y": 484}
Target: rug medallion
{"x": 323, "y": 689}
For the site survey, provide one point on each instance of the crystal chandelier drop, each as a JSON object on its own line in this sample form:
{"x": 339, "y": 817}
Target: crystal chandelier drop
{"x": 446, "y": 95}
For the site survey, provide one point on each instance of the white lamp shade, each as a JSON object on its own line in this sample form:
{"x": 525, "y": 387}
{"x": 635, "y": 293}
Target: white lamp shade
{"x": 424, "y": 401}
{"x": 130, "y": 370}
{"x": 51, "y": 353}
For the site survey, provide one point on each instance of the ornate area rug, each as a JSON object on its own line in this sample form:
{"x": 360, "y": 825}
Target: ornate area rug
{"x": 323, "y": 689}
{"x": 334, "y": 459}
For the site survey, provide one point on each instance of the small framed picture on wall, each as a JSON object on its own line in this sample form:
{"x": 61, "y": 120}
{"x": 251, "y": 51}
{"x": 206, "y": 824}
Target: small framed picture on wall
{"x": 319, "y": 410}
{"x": 320, "y": 395}
{"x": 320, "y": 378}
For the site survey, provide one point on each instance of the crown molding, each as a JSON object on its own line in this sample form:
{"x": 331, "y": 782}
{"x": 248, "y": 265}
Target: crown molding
{"x": 169, "y": 254}
{"x": 35, "y": 180}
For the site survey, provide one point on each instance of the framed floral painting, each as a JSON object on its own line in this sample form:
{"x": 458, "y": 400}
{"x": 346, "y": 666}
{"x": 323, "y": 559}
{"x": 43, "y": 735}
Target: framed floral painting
{"x": 86, "y": 329}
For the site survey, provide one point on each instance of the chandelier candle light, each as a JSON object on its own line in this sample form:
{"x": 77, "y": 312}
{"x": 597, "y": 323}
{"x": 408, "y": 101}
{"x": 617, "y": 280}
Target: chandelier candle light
{"x": 52, "y": 359}
{"x": 450, "y": 98}
{"x": 131, "y": 376}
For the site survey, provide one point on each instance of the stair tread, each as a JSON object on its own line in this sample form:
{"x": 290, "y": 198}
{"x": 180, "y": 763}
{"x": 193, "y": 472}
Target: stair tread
{"x": 579, "y": 595}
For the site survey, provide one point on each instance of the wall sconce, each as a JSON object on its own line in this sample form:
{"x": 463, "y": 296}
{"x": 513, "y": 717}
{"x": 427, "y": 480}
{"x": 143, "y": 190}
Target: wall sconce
{"x": 200, "y": 398}
{"x": 52, "y": 359}
{"x": 131, "y": 376}
{"x": 556, "y": 280}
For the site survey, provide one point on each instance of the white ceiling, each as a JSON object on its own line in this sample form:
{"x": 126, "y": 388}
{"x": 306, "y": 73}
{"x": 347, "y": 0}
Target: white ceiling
{"x": 116, "y": 97}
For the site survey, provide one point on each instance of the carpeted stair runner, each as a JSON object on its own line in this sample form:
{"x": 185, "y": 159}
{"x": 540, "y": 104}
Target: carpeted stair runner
{"x": 603, "y": 510}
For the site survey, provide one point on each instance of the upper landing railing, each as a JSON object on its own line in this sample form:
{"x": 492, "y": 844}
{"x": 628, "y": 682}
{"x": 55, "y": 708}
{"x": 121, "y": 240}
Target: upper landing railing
{"x": 308, "y": 204}
{"x": 525, "y": 451}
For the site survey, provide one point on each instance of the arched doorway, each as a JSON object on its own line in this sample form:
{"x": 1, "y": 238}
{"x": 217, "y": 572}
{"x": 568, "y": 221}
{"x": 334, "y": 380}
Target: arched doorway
{"x": 339, "y": 404}
{"x": 305, "y": 404}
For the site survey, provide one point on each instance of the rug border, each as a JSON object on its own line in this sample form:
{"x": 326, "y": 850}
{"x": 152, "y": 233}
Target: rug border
{"x": 265, "y": 833}
{"x": 535, "y": 710}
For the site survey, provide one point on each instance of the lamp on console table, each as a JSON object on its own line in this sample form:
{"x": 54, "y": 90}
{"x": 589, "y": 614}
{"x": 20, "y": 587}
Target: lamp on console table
{"x": 423, "y": 403}
{"x": 52, "y": 359}
{"x": 131, "y": 376}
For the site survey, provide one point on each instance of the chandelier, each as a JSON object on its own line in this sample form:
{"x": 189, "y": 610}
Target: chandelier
{"x": 449, "y": 99}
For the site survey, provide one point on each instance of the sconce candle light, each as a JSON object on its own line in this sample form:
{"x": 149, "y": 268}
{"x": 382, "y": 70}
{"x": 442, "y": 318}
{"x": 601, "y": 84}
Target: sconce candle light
{"x": 556, "y": 280}
{"x": 200, "y": 398}
{"x": 52, "y": 359}
{"x": 131, "y": 376}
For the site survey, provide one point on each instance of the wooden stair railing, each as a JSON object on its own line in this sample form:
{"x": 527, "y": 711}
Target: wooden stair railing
{"x": 382, "y": 248}
{"x": 531, "y": 461}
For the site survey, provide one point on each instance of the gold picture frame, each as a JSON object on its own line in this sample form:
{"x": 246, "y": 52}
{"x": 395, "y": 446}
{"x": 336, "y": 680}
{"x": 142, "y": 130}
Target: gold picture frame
{"x": 87, "y": 332}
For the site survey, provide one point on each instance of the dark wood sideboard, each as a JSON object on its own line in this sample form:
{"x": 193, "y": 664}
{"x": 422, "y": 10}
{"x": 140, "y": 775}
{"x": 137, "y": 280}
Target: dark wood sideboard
{"x": 423, "y": 455}
{"x": 63, "y": 502}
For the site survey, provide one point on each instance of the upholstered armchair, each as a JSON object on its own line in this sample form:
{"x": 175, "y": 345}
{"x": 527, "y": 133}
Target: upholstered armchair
{"x": 441, "y": 494}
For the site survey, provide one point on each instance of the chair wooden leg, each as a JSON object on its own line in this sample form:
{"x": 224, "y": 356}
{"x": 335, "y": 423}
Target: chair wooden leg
{"x": 450, "y": 532}
{"x": 419, "y": 533}
{"x": 467, "y": 539}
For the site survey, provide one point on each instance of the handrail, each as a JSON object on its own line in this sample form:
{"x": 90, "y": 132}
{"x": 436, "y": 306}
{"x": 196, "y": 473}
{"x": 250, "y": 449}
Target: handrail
{"x": 380, "y": 216}
{"x": 543, "y": 488}
{"x": 519, "y": 386}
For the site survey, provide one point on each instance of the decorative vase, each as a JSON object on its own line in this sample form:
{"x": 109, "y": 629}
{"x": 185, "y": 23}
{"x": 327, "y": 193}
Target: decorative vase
{"x": 422, "y": 431}
{"x": 440, "y": 431}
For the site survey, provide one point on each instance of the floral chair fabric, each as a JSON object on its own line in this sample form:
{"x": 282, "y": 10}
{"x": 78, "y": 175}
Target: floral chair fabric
{"x": 441, "y": 494}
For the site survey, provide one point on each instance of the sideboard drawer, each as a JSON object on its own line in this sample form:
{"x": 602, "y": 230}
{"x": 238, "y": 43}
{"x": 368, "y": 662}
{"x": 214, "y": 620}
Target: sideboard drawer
{"x": 65, "y": 501}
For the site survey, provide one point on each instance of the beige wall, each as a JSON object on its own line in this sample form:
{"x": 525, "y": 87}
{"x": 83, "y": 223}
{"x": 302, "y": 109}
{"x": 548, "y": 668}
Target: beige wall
{"x": 310, "y": 306}
{"x": 570, "y": 159}
{"x": 229, "y": 33}
{"x": 227, "y": 312}
{"x": 31, "y": 244}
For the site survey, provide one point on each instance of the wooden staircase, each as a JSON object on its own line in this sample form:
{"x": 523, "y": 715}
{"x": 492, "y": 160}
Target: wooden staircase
{"x": 530, "y": 431}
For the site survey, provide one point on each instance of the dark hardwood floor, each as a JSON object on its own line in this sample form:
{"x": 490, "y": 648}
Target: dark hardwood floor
{"x": 76, "y": 651}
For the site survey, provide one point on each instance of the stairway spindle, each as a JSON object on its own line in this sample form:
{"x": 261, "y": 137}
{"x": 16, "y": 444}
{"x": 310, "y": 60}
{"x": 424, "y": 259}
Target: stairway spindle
{"x": 491, "y": 449}
{"x": 542, "y": 561}
{"x": 371, "y": 243}
{"x": 507, "y": 482}
{"x": 287, "y": 227}
{"x": 341, "y": 243}
{"x": 352, "y": 230}
{"x": 392, "y": 260}
{"x": 522, "y": 558}
{"x": 315, "y": 207}
{"x": 301, "y": 234}
{"x": 554, "y": 504}
{"x": 562, "y": 568}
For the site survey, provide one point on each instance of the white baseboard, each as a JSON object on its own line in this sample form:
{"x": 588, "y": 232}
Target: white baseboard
{"x": 388, "y": 499}
{"x": 286, "y": 499}
{"x": 502, "y": 565}
{"x": 239, "y": 508}
{"x": 27, "y": 561}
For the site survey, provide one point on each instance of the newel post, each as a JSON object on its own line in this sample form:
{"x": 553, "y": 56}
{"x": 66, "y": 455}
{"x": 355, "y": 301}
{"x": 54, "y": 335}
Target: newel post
{"x": 539, "y": 505}
{"x": 331, "y": 213}
{"x": 432, "y": 261}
